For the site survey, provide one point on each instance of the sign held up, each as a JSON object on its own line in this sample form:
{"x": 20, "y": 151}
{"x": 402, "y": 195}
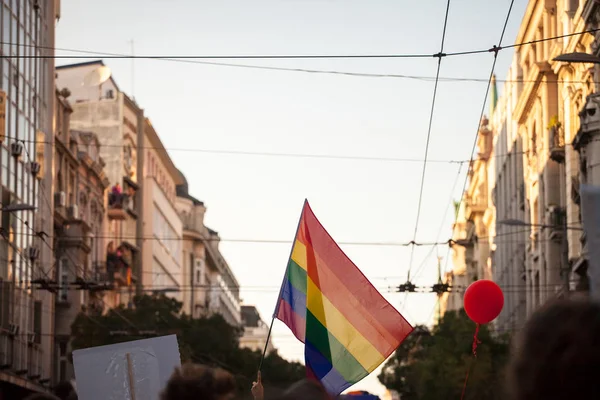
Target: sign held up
{"x": 136, "y": 370}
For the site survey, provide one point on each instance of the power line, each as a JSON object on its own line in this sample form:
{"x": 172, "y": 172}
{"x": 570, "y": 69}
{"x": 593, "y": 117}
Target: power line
{"x": 288, "y": 241}
{"x": 422, "y": 184}
{"x": 290, "y": 155}
{"x": 442, "y": 224}
{"x": 495, "y": 49}
{"x": 487, "y": 91}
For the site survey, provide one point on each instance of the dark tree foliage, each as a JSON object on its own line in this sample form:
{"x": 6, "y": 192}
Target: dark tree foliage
{"x": 210, "y": 341}
{"x": 432, "y": 365}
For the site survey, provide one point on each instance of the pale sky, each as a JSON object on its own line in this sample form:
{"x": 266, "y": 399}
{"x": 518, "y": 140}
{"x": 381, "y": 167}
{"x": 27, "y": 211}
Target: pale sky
{"x": 252, "y": 197}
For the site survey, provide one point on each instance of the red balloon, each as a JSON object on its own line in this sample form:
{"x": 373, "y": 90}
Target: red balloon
{"x": 483, "y": 301}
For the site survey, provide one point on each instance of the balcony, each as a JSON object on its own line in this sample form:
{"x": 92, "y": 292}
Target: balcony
{"x": 34, "y": 356}
{"x": 476, "y": 205}
{"x": 6, "y": 350}
{"x": 557, "y": 221}
{"x": 557, "y": 144}
{"x": 575, "y": 196}
{"x": 121, "y": 204}
{"x": 100, "y": 279}
{"x": 119, "y": 267}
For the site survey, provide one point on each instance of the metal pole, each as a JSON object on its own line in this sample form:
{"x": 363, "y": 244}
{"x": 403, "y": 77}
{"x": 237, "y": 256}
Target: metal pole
{"x": 262, "y": 358}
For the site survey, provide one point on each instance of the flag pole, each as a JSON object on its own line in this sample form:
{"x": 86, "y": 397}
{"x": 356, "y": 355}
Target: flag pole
{"x": 262, "y": 358}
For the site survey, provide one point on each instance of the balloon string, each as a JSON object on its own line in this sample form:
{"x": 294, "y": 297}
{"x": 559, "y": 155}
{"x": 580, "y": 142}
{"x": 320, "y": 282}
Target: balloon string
{"x": 462, "y": 396}
{"x": 476, "y": 342}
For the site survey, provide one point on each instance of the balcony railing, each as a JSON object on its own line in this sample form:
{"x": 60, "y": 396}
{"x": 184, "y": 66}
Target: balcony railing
{"x": 557, "y": 220}
{"x": 6, "y": 350}
{"x": 121, "y": 204}
{"x": 119, "y": 268}
{"x": 557, "y": 144}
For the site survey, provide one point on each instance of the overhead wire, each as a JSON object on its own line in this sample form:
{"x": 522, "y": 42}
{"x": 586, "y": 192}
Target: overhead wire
{"x": 428, "y": 138}
{"x": 487, "y": 91}
{"x": 72, "y": 261}
{"x": 283, "y": 154}
{"x": 437, "y": 78}
{"x": 184, "y": 57}
{"x": 443, "y": 222}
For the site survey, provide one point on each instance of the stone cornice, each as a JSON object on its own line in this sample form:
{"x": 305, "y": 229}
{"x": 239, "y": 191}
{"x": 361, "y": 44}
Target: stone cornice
{"x": 526, "y": 99}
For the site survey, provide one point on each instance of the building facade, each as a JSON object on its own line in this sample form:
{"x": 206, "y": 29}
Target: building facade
{"x": 508, "y": 266}
{"x": 26, "y": 137}
{"x": 473, "y": 230}
{"x": 79, "y": 228}
{"x": 163, "y": 228}
{"x": 256, "y": 331}
{"x": 536, "y": 113}
{"x": 542, "y": 127}
{"x": 99, "y": 107}
{"x": 213, "y": 288}
{"x": 578, "y": 92}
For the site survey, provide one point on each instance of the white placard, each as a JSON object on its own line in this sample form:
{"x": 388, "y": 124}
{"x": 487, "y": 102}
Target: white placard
{"x": 109, "y": 372}
{"x": 590, "y": 214}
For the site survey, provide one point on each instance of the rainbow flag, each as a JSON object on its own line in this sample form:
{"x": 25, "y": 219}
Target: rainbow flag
{"x": 346, "y": 325}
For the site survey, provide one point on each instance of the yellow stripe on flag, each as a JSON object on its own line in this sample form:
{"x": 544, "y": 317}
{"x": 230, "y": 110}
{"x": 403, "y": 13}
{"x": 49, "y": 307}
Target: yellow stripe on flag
{"x": 341, "y": 329}
{"x": 299, "y": 255}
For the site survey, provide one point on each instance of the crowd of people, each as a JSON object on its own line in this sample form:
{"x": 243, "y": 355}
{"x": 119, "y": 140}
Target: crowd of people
{"x": 556, "y": 356}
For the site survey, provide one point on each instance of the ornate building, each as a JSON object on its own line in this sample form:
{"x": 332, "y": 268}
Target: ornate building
{"x": 546, "y": 111}
{"x": 536, "y": 251}
{"x": 101, "y": 108}
{"x": 79, "y": 229}
{"x": 472, "y": 232}
{"x": 579, "y": 107}
{"x": 162, "y": 255}
{"x": 256, "y": 331}
{"x": 508, "y": 263}
{"x": 212, "y": 285}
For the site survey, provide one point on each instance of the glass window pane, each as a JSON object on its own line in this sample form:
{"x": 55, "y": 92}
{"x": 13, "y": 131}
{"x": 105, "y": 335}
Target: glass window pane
{"x": 5, "y": 30}
{"x": 13, "y": 37}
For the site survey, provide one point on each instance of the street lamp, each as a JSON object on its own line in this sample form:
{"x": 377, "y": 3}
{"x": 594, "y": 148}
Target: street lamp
{"x": 18, "y": 207}
{"x": 518, "y": 222}
{"x": 578, "y": 57}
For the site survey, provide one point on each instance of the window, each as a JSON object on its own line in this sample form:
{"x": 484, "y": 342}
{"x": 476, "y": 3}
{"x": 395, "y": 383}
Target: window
{"x": 37, "y": 321}
{"x": 198, "y": 271}
{"x": 62, "y": 360}
{"x": 166, "y": 235}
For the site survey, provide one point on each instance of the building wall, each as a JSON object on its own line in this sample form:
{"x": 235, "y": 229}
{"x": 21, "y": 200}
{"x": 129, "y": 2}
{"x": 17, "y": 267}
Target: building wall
{"x": 509, "y": 199}
{"x": 576, "y": 83}
{"x": 256, "y": 331}
{"x": 77, "y": 81}
{"x": 163, "y": 254}
{"x": 79, "y": 228}
{"x": 29, "y": 116}
{"x": 536, "y": 172}
{"x": 114, "y": 119}
{"x": 535, "y": 108}
{"x": 213, "y": 286}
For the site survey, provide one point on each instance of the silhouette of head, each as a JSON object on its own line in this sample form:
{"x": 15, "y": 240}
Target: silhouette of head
{"x": 557, "y": 356}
